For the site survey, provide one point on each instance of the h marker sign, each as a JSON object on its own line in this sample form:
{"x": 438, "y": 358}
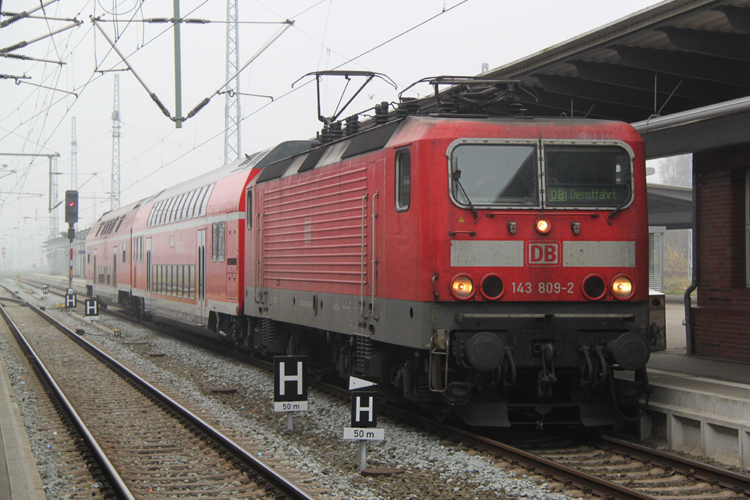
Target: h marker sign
{"x": 290, "y": 383}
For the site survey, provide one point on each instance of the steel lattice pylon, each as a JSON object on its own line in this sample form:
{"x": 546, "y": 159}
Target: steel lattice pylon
{"x": 232, "y": 115}
{"x": 54, "y": 223}
{"x": 115, "y": 195}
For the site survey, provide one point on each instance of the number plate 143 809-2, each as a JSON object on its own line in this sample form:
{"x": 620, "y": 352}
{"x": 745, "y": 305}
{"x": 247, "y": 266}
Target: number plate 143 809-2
{"x": 542, "y": 287}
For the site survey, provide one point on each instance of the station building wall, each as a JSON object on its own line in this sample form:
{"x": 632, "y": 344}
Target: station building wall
{"x": 722, "y": 314}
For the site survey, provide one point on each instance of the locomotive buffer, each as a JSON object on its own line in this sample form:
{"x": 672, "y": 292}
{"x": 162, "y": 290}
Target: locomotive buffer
{"x": 289, "y": 386}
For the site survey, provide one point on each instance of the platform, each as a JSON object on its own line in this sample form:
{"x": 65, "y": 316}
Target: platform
{"x": 699, "y": 406}
{"x": 19, "y": 476}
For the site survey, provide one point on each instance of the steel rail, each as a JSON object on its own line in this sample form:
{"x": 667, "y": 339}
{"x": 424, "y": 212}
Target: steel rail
{"x": 292, "y": 491}
{"x": 584, "y": 481}
{"x": 740, "y": 483}
{"x": 115, "y": 481}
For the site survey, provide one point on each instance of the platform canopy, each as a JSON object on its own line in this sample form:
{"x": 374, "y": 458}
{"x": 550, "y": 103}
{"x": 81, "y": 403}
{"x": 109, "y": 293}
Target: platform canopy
{"x": 679, "y": 71}
{"x": 670, "y": 206}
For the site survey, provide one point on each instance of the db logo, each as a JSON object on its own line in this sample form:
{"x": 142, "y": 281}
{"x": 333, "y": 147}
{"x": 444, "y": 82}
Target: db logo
{"x": 543, "y": 254}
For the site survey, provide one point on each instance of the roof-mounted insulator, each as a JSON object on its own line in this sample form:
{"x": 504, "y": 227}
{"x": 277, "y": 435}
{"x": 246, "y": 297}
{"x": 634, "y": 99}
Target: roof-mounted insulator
{"x": 381, "y": 113}
{"x": 408, "y": 106}
{"x": 325, "y": 134}
{"x": 352, "y": 125}
{"x": 336, "y": 132}
{"x": 516, "y": 106}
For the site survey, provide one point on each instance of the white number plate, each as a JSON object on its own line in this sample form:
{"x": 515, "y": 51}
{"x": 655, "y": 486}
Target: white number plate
{"x": 367, "y": 434}
{"x": 551, "y": 287}
{"x": 290, "y": 406}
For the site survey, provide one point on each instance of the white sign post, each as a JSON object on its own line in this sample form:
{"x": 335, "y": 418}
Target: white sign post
{"x": 364, "y": 417}
{"x": 91, "y": 309}
{"x": 289, "y": 386}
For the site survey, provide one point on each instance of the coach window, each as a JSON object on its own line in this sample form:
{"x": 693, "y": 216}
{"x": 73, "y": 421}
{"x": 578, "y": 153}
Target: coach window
{"x": 124, "y": 250}
{"x": 192, "y": 281}
{"x": 173, "y": 209}
{"x": 150, "y": 220}
{"x": 160, "y": 215}
{"x": 188, "y": 200}
{"x": 178, "y": 208}
{"x": 167, "y": 211}
{"x": 162, "y": 211}
{"x": 204, "y": 202}
{"x": 403, "y": 180}
{"x": 249, "y": 208}
{"x": 196, "y": 203}
{"x": 154, "y": 212}
{"x": 214, "y": 241}
{"x": 222, "y": 240}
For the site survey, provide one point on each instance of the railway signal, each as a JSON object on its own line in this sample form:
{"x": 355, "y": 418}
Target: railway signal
{"x": 71, "y": 207}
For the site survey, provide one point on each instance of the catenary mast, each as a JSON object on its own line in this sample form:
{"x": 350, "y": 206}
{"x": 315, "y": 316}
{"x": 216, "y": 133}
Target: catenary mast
{"x": 115, "y": 195}
{"x": 232, "y": 103}
{"x": 73, "y": 157}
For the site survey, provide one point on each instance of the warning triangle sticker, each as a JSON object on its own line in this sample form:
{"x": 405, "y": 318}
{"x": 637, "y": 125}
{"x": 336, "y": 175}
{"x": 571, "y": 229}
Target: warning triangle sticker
{"x": 358, "y": 383}
{"x": 461, "y": 220}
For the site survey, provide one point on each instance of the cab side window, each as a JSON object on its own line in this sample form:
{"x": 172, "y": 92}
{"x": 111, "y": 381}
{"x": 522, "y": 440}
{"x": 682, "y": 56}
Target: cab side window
{"x": 403, "y": 180}
{"x": 249, "y": 208}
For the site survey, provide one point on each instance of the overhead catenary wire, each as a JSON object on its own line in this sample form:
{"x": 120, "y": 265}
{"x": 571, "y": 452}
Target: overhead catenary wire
{"x": 24, "y": 14}
{"x": 195, "y": 147}
{"x": 153, "y": 96}
{"x": 25, "y": 43}
{"x": 287, "y": 24}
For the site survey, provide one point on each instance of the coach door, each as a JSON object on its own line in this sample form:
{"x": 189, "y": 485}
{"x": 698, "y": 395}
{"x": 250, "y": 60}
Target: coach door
{"x": 148, "y": 267}
{"x": 201, "y": 268}
{"x": 114, "y": 267}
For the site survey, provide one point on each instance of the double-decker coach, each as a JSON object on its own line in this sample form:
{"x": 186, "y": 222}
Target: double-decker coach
{"x": 176, "y": 257}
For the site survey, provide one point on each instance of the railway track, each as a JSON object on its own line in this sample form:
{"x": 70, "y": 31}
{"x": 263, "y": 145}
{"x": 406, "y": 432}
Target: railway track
{"x": 146, "y": 444}
{"x": 587, "y": 465}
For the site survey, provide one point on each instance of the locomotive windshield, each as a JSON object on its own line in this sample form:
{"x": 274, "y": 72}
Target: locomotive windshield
{"x": 495, "y": 174}
{"x": 576, "y": 175}
{"x": 587, "y": 176}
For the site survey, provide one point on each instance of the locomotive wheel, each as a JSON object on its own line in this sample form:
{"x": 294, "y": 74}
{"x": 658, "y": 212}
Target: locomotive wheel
{"x": 442, "y": 415}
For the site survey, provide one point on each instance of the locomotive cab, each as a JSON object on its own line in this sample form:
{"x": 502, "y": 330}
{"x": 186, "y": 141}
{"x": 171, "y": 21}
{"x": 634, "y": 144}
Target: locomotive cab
{"x": 544, "y": 267}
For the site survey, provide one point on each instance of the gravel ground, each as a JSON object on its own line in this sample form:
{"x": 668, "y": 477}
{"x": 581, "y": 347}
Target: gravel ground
{"x": 433, "y": 469}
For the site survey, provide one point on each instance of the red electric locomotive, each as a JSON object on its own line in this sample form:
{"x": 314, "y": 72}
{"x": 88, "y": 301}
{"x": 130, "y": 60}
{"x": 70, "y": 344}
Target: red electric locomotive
{"x": 493, "y": 268}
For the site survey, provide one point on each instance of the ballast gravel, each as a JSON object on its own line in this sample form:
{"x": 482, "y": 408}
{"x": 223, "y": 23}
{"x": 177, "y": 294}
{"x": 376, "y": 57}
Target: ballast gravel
{"x": 432, "y": 469}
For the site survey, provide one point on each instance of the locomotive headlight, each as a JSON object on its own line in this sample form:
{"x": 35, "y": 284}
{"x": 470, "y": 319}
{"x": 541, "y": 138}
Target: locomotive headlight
{"x": 622, "y": 287}
{"x": 544, "y": 226}
{"x": 462, "y": 287}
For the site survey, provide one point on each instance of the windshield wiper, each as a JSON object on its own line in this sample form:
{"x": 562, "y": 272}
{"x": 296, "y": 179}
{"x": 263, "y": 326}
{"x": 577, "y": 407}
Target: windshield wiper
{"x": 456, "y": 175}
{"x": 612, "y": 214}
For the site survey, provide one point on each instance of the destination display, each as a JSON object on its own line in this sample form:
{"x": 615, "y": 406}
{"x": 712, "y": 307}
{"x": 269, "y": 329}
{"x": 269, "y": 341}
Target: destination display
{"x": 588, "y": 195}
